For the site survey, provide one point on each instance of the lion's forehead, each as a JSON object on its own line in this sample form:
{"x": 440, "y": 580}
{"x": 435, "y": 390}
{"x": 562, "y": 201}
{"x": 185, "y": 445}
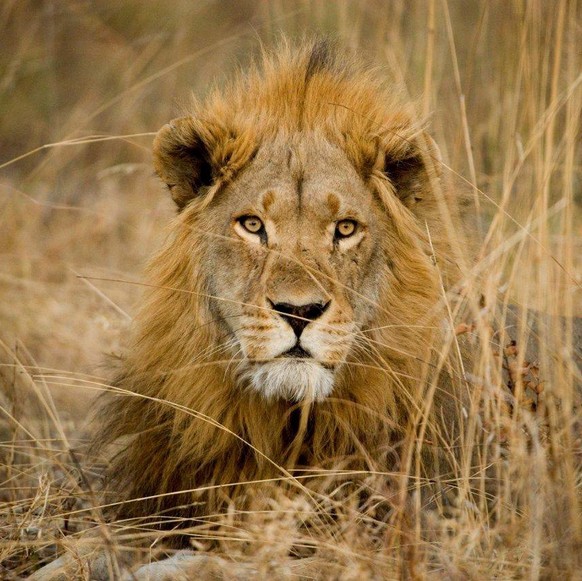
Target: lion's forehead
{"x": 301, "y": 177}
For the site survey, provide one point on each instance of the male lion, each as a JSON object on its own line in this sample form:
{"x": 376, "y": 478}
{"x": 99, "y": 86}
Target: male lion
{"x": 293, "y": 314}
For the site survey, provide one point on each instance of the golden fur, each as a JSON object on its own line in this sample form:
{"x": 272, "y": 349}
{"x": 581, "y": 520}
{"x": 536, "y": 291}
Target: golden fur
{"x": 187, "y": 420}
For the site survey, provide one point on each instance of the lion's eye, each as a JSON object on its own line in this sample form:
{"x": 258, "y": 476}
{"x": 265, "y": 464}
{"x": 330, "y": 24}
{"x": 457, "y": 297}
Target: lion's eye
{"x": 251, "y": 224}
{"x": 345, "y": 228}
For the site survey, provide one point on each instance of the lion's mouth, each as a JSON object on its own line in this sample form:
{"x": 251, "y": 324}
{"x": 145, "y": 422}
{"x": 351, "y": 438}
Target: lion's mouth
{"x": 297, "y": 352}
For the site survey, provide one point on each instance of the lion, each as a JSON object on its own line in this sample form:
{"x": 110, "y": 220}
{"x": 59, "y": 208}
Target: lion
{"x": 293, "y": 315}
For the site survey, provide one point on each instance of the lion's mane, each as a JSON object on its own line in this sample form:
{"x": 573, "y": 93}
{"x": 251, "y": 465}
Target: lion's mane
{"x": 186, "y": 439}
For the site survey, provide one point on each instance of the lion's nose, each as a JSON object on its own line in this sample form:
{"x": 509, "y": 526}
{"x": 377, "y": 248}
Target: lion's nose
{"x": 299, "y": 316}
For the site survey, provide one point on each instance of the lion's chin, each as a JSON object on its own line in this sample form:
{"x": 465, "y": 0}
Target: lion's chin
{"x": 292, "y": 379}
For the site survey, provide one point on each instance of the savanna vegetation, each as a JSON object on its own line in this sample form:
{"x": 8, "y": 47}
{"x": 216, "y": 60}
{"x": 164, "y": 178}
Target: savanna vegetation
{"x": 84, "y": 86}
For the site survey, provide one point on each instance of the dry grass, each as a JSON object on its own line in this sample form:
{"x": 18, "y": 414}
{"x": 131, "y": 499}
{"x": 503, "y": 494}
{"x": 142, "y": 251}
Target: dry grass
{"x": 83, "y": 88}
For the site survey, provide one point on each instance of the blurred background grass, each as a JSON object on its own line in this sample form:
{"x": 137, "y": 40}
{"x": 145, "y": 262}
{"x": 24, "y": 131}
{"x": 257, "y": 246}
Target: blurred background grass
{"x": 84, "y": 86}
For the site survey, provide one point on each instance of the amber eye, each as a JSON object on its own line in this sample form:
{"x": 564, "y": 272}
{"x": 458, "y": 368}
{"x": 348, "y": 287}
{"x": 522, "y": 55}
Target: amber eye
{"x": 251, "y": 223}
{"x": 345, "y": 228}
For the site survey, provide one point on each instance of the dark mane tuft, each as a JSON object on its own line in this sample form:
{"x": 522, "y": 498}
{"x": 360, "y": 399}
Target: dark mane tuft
{"x": 321, "y": 58}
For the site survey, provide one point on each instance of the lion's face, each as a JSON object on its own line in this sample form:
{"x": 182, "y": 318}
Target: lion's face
{"x": 306, "y": 199}
{"x": 294, "y": 265}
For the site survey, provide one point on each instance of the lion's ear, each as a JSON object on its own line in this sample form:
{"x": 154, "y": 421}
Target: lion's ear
{"x": 182, "y": 160}
{"x": 410, "y": 171}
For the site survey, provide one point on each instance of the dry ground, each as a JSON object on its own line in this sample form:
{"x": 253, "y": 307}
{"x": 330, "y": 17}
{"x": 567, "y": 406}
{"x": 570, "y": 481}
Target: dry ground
{"x": 83, "y": 88}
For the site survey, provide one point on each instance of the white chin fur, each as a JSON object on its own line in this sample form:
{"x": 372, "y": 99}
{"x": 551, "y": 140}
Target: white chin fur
{"x": 292, "y": 379}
